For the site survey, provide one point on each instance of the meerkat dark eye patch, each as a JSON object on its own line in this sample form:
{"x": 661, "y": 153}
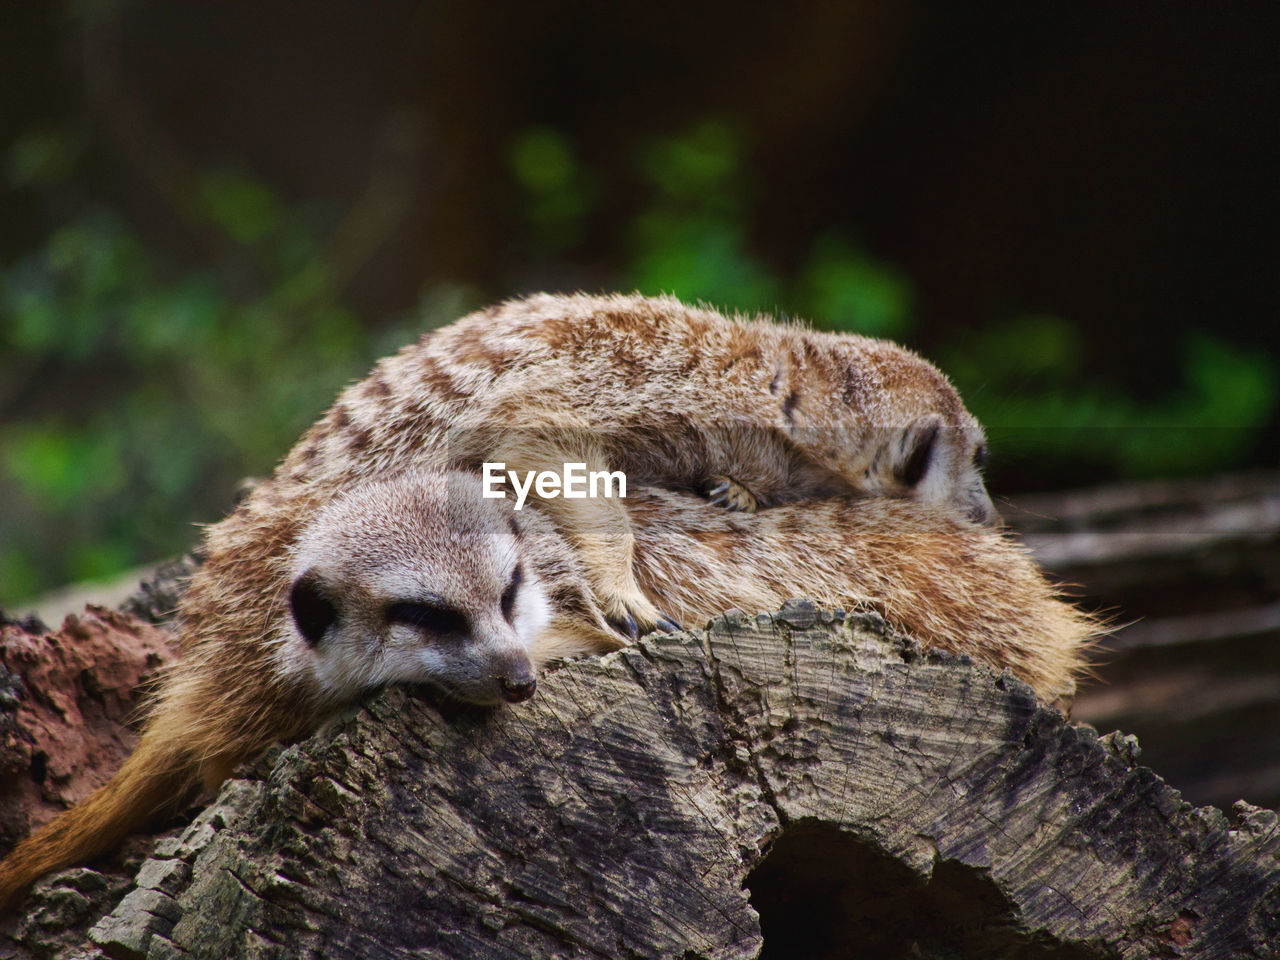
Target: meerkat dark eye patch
{"x": 922, "y": 438}
{"x": 434, "y": 618}
{"x": 980, "y": 456}
{"x": 509, "y": 594}
{"x": 313, "y": 612}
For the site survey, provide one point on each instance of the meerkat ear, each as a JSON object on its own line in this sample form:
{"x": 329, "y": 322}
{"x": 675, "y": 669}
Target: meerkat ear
{"x": 916, "y": 449}
{"x": 313, "y": 612}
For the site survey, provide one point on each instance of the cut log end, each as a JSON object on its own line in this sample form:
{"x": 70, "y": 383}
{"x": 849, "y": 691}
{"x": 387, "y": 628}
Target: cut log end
{"x": 803, "y": 784}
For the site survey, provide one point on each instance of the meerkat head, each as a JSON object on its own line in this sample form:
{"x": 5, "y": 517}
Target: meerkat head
{"x": 923, "y": 443}
{"x": 414, "y": 579}
{"x": 938, "y": 462}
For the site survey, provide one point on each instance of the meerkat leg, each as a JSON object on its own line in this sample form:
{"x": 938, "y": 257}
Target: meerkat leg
{"x": 727, "y": 492}
{"x": 598, "y": 526}
{"x": 568, "y": 637}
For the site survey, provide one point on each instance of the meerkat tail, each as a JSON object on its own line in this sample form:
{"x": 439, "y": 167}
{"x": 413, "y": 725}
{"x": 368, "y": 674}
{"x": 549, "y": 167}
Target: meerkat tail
{"x": 155, "y": 781}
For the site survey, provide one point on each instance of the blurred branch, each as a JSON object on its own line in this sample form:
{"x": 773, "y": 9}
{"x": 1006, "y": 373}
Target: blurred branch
{"x": 139, "y": 143}
{"x": 143, "y": 146}
{"x": 383, "y": 206}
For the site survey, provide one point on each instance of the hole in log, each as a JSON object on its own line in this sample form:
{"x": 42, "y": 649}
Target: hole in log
{"x": 823, "y": 893}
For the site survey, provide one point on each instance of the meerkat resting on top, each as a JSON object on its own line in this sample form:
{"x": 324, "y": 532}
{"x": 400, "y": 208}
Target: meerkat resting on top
{"x": 750, "y": 412}
{"x": 418, "y": 578}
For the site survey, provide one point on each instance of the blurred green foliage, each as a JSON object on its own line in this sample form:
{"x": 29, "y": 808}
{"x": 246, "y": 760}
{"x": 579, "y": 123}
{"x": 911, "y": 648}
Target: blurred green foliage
{"x": 146, "y": 392}
{"x": 1025, "y": 377}
{"x": 138, "y": 391}
{"x": 693, "y": 241}
{"x": 558, "y": 193}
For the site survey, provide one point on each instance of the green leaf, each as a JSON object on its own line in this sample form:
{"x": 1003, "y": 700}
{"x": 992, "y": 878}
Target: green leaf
{"x": 845, "y": 290}
{"x": 701, "y": 260}
{"x": 240, "y": 205}
{"x": 43, "y": 157}
{"x": 700, "y": 166}
{"x": 542, "y": 160}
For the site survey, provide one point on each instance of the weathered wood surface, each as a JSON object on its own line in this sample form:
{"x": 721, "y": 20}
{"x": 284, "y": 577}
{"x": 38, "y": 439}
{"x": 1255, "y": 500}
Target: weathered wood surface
{"x": 1192, "y": 568}
{"x": 793, "y": 786}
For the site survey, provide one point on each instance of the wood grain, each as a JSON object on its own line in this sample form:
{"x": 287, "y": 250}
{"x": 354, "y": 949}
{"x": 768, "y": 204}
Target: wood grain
{"x": 803, "y": 784}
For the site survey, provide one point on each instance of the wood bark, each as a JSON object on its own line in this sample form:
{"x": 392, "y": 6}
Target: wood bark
{"x": 1191, "y": 571}
{"x": 800, "y": 785}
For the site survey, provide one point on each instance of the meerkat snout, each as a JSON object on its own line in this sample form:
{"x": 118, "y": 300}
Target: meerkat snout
{"x": 416, "y": 580}
{"x": 517, "y": 681}
{"x": 937, "y": 462}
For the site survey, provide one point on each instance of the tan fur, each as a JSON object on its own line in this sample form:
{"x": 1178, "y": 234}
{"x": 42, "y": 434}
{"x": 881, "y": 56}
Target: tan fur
{"x": 672, "y": 395}
{"x": 675, "y": 396}
{"x": 952, "y": 584}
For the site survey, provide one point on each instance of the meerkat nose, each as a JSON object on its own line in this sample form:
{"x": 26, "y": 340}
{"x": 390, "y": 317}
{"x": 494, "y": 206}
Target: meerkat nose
{"x": 517, "y": 689}
{"x": 983, "y": 512}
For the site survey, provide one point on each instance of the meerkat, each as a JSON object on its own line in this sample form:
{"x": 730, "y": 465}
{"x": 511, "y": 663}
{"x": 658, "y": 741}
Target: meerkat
{"x": 297, "y": 607}
{"x": 418, "y": 578}
{"x": 954, "y": 586}
{"x": 747, "y": 412}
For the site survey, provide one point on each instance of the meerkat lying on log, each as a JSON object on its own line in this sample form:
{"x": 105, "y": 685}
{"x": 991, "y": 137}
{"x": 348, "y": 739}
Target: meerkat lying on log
{"x": 749, "y": 412}
{"x": 419, "y": 578}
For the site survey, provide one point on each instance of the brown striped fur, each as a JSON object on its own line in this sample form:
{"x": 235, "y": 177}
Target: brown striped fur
{"x": 673, "y": 395}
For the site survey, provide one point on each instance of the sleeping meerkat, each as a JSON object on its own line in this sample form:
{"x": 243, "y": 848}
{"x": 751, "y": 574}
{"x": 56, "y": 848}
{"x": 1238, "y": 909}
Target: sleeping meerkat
{"x": 953, "y": 585}
{"x": 749, "y": 412}
{"x": 417, "y": 578}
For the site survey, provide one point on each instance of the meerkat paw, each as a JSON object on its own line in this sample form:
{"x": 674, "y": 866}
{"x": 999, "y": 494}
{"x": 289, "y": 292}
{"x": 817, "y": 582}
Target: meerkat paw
{"x": 632, "y": 615}
{"x": 730, "y": 494}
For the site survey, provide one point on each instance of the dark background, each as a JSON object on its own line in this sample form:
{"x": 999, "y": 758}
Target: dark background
{"x": 215, "y": 215}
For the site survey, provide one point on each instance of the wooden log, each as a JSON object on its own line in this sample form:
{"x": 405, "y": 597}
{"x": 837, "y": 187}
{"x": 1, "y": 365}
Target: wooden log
{"x": 801, "y": 785}
{"x": 1114, "y": 537}
{"x": 69, "y": 702}
{"x": 1191, "y": 569}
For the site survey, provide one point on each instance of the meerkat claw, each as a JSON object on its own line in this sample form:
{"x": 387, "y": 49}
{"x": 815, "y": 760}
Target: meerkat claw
{"x": 625, "y": 624}
{"x": 632, "y": 615}
{"x": 732, "y": 495}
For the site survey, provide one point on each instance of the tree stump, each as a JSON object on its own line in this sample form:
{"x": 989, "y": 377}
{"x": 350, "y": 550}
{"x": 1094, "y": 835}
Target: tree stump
{"x": 805, "y": 784}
